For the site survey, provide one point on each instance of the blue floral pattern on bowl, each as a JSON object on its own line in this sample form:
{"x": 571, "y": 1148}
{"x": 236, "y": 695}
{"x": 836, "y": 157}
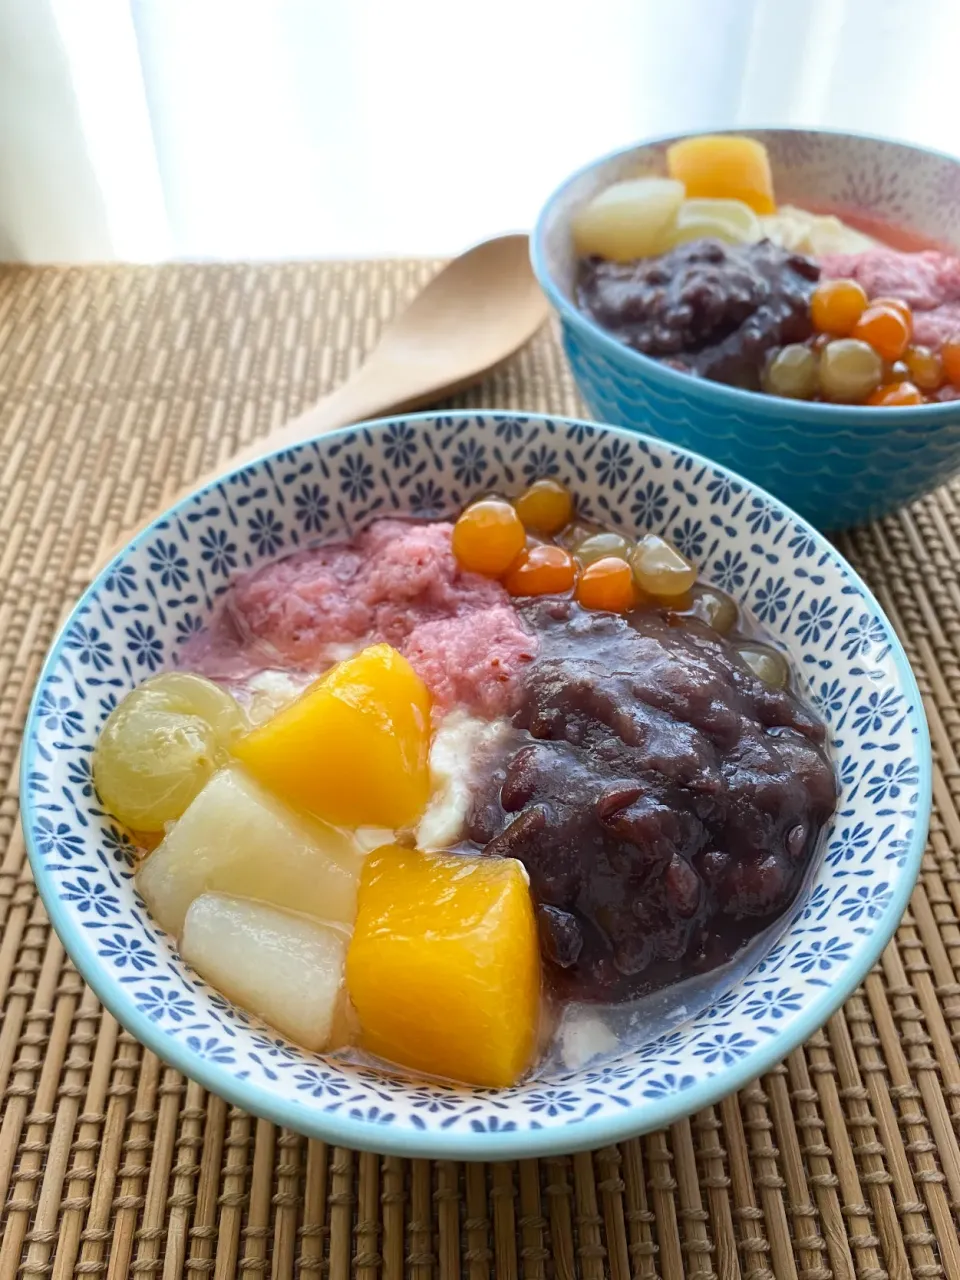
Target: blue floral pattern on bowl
{"x": 134, "y": 618}
{"x": 834, "y": 465}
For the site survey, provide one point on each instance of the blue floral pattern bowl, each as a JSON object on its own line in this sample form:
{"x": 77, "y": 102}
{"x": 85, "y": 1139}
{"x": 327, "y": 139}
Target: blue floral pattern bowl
{"x": 154, "y": 595}
{"x": 835, "y": 465}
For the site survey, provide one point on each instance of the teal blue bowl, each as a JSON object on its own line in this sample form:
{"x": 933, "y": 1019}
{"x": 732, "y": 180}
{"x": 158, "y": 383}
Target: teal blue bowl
{"x": 837, "y": 465}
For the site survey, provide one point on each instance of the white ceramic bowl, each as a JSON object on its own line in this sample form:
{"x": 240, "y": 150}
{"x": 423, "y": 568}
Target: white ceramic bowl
{"x": 161, "y": 588}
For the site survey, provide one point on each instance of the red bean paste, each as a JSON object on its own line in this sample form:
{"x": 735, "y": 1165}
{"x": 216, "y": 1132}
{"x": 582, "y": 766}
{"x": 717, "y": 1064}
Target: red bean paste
{"x": 706, "y": 307}
{"x": 664, "y": 801}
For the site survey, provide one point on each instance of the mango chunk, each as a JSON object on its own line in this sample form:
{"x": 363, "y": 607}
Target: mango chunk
{"x": 724, "y": 167}
{"x": 444, "y": 965}
{"x": 353, "y": 749}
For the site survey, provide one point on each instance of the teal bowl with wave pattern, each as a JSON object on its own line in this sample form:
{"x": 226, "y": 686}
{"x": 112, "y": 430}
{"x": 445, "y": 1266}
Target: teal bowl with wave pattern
{"x": 837, "y": 465}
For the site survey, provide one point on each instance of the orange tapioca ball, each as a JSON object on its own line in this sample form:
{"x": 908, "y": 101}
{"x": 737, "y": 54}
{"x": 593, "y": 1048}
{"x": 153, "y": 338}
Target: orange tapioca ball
{"x": 836, "y": 306}
{"x": 488, "y": 537}
{"x": 608, "y": 584}
{"x": 950, "y": 355}
{"x": 885, "y": 329}
{"x": 544, "y": 570}
{"x": 924, "y": 368}
{"x": 896, "y": 393}
{"x": 545, "y": 507}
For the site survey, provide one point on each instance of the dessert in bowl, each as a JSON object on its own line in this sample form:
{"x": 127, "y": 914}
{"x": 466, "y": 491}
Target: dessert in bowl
{"x": 372, "y": 748}
{"x": 761, "y": 298}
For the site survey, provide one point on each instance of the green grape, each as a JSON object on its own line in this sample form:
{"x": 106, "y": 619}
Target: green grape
{"x": 715, "y": 608}
{"x": 577, "y": 532}
{"x": 849, "y": 370}
{"x": 601, "y": 545}
{"x": 766, "y": 664}
{"x": 792, "y": 372}
{"x": 161, "y": 745}
{"x": 659, "y": 569}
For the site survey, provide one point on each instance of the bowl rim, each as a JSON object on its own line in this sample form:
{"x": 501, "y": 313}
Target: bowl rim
{"x": 366, "y": 1135}
{"x": 726, "y": 397}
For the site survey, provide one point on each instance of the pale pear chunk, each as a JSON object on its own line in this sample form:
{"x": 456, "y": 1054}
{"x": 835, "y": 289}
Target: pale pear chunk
{"x": 728, "y": 220}
{"x": 283, "y": 968}
{"x": 237, "y": 838}
{"x": 632, "y": 219}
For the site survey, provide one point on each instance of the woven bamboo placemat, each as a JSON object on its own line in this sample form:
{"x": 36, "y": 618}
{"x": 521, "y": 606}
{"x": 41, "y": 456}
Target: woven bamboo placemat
{"x": 117, "y": 385}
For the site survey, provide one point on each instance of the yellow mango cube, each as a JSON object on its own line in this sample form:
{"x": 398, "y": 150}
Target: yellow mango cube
{"x": 723, "y": 167}
{"x": 444, "y": 965}
{"x": 353, "y": 748}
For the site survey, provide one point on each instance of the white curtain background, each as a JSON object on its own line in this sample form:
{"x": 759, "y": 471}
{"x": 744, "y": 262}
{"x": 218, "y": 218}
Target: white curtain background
{"x": 151, "y": 129}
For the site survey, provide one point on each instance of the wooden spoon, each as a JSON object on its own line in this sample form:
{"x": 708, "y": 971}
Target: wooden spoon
{"x": 474, "y": 314}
